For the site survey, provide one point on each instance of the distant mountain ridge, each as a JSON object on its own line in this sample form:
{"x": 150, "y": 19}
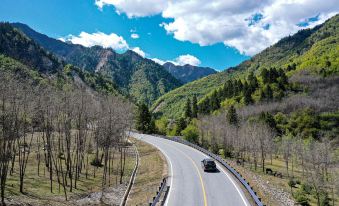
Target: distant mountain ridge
{"x": 141, "y": 79}
{"x": 188, "y": 73}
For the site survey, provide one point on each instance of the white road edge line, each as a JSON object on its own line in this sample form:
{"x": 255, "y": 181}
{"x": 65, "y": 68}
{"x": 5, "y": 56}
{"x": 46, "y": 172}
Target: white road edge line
{"x": 221, "y": 167}
{"x": 169, "y": 161}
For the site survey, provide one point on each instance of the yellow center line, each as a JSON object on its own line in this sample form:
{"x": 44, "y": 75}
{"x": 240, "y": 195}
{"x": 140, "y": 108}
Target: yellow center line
{"x": 196, "y": 167}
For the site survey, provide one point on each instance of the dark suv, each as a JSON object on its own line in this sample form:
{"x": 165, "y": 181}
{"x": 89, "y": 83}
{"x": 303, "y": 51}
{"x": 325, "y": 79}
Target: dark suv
{"x": 209, "y": 165}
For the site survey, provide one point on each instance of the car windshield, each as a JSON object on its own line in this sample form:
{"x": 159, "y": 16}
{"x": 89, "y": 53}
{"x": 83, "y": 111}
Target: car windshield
{"x": 210, "y": 162}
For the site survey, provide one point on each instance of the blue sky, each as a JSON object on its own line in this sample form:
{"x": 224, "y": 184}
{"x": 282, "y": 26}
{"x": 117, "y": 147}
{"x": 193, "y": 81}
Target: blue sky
{"x": 63, "y": 17}
{"x": 219, "y": 34}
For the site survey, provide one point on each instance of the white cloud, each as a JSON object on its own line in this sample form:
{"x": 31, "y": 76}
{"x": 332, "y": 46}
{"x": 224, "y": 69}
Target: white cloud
{"x": 180, "y": 60}
{"x": 159, "y": 61}
{"x": 135, "y": 8}
{"x": 139, "y": 51}
{"x": 62, "y": 39}
{"x": 105, "y": 40}
{"x": 187, "y": 59}
{"x": 227, "y": 21}
{"x": 135, "y": 36}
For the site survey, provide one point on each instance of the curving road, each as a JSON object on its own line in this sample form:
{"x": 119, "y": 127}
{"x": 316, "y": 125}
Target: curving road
{"x": 190, "y": 185}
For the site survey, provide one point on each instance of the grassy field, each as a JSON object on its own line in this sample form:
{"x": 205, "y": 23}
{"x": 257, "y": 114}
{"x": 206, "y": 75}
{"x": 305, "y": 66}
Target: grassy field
{"x": 151, "y": 171}
{"x": 37, "y": 186}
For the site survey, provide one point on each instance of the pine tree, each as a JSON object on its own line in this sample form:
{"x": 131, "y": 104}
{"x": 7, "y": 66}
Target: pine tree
{"x": 230, "y": 88}
{"x": 232, "y": 116}
{"x": 214, "y": 101}
{"x": 268, "y": 92}
{"x": 253, "y": 82}
{"x": 273, "y": 75}
{"x": 247, "y": 94}
{"x": 265, "y": 76}
{"x": 262, "y": 95}
{"x": 144, "y": 119}
{"x": 181, "y": 125}
{"x": 282, "y": 77}
{"x": 194, "y": 107}
{"x": 269, "y": 120}
{"x": 240, "y": 85}
{"x": 188, "y": 110}
{"x": 204, "y": 106}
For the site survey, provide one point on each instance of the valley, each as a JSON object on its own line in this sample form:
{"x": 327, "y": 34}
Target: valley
{"x": 89, "y": 124}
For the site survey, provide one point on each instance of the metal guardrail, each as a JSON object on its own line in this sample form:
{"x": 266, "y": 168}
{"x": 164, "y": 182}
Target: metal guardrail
{"x": 132, "y": 179}
{"x": 161, "y": 189}
{"x": 243, "y": 181}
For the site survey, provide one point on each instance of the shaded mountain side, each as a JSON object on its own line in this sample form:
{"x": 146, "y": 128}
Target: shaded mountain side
{"x": 311, "y": 49}
{"x": 23, "y": 58}
{"x": 121, "y": 68}
{"x": 188, "y": 73}
{"x": 15, "y": 44}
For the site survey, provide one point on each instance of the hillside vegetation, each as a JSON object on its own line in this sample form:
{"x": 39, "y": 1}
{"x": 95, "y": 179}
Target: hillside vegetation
{"x": 140, "y": 78}
{"x": 314, "y": 49}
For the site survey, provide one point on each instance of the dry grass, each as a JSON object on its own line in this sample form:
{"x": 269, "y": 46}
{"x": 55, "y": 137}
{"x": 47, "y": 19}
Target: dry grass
{"x": 277, "y": 164}
{"x": 152, "y": 169}
{"x": 37, "y": 187}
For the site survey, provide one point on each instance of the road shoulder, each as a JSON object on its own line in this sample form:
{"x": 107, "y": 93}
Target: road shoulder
{"x": 152, "y": 169}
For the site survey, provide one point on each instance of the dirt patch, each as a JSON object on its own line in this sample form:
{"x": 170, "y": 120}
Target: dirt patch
{"x": 111, "y": 196}
{"x": 270, "y": 194}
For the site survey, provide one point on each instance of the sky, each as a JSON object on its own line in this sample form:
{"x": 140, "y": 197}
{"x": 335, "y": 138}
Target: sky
{"x": 214, "y": 33}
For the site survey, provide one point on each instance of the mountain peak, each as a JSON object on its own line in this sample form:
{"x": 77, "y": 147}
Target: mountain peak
{"x": 188, "y": 73}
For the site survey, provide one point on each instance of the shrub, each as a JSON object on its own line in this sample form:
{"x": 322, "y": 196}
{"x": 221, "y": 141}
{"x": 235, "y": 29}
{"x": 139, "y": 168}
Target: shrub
{"x": 96, "y": 163}
{"x": 306, "y": 188}
{"x": 301, "y": 198}
{"x": 324, "y": 199}
{"x": 292, "y": 183}
{"x": 191, "y": 134}
{"x": 161, "y": 125}
{"x": 61, "y": 156}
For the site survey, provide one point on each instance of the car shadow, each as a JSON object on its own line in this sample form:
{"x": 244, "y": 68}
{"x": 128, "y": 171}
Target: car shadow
{"x": 215, "y": 171}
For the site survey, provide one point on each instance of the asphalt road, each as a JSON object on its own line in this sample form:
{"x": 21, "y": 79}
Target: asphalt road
{"x": 190, "y": 185}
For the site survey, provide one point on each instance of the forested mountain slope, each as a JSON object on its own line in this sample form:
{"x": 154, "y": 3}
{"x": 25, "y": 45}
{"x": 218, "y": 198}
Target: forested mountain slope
{"x": 140, "y": 78}
{"x": 311, "y": 49}
{"x": 20, "y": 47}
{"x": 24, "y": 59}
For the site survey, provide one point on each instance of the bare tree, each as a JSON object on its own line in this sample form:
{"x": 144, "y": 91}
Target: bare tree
{"x": 286, "y": 149}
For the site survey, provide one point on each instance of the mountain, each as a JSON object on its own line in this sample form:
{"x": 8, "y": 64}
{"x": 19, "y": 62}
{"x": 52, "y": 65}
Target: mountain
{"x": 137, "y": 77}
{"x": 315, "y": 50}
{"x": 19, "y": 46}
{"x": 188, "y": 73}
{"x": 25, "y": 59}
